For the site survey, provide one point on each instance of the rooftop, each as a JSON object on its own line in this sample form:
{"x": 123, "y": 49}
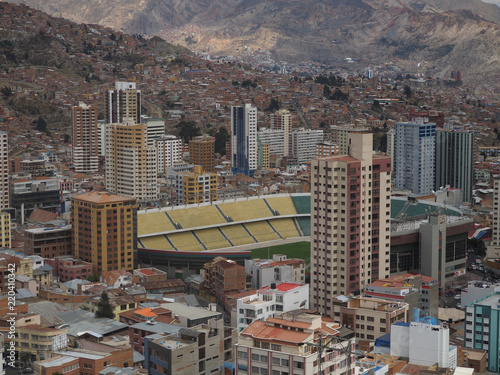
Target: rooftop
{"x": 103, "y": 197}
{"x": 189, "y": 312}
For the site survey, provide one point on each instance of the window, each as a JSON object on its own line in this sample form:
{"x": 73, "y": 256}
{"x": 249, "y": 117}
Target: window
{"x": 298, "y": 364}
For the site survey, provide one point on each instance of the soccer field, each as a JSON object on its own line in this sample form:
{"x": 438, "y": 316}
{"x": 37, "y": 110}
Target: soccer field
{"x": 301, "y": 250}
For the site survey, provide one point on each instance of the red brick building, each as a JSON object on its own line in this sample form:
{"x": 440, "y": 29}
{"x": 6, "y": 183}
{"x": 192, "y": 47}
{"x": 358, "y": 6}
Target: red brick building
{"x": 224, "y": 276}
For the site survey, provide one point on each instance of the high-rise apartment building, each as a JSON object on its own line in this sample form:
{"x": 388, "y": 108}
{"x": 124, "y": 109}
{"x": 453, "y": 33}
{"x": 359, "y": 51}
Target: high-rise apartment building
{"x": 123, "y": 103}
{"x": 283, "y": 121}
{"x": 391, "y": 135}
{"x": 275, "y": 138}
{"x": 455, "y": 160}
{"x": 244, "y": 139}
{"x": 5, "y": 231}
{"x": 104, "y": 230}
{"x": 85, "y": 138}
{"x": 340, "y": 135}
{"x": 195, "y": 187}
{"x": 4, "y": 170}
{"x": 414, "y": 158}
{"x": 131, "y": 168}
{"x": 303, "y": 143}
{"x": 202, "y": 152}
{"x": 350, "y": 221}
{"x": 156, "y": 129}
{"x": 168, "y": 150}
{"x": 494, "y": 247}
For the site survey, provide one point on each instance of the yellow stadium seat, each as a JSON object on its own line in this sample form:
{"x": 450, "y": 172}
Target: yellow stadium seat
{"x": 284, "y": 205}
{"x": 193, "y": 217}
{"x": 262, "y": 231}
{"x": 237, "y": 235}
{"x": 285, "y": 227}
{"x": 157, "y": 243}
{"x": 246, "y": 210}
{"x": 153, "y": 222}
{"x": 185, "y": 241}
{"x": 212, "y": 238}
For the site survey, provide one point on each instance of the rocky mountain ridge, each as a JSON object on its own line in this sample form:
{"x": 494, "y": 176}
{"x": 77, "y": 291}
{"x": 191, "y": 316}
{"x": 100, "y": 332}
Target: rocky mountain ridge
{"x": 437, "y": 35}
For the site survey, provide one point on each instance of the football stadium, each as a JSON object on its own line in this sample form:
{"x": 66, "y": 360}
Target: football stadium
{"x": 185, "y": 237}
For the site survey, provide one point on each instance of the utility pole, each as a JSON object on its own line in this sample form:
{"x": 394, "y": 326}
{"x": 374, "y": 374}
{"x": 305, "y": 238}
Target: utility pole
{"x": 324, "y": 344}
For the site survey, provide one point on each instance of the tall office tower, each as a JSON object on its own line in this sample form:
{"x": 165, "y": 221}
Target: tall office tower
{"x": 123, "y": 103}
{"x": 340, "y": 135}
{"x": 131, "y": 166}
{"x": 414, "y": 157}
{"x": 283, "y": 121}
{"x": 156, "y": 129}
{"x": 168, "y": 150}
{"x": 391, "y": 135}
{"x": 303, "y": 144}
{"x": 244, "y": 139}
{"x": 104, "y": 230}
{"x": 85, "y": 138}
{"x": 4, "y": 170}
{"x": 202, "y": 152}
{"x": 455, "y": 160}
{"x": 350, "y": 222}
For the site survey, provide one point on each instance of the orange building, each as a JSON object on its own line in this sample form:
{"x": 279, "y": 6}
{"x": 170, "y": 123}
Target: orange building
{"x": 202, "y": 152}
{"x": 104, "y": 230}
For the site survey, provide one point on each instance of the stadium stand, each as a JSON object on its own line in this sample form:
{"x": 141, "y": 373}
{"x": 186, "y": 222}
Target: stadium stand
{"x": 246, "y": 210}
{"x": 153, "y": 222}
{"x": 212, "y": 238}
{"x": 237, "y": 235}
{"x": 196, "y": 216}
{"x": 401, "y": 208}
{"x": 285, "y": 227}
{"x": 304, "y": 223}
{"x": 283, "y": 205}
{"x": 262, "y": 231}
{"x": 156, "y": 242}
{"x": 302, "y": 203}
{"x": 185, "y": 241}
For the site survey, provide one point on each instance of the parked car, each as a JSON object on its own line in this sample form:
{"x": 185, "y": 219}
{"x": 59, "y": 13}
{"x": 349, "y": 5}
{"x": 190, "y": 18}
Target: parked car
{"x": 459, "y": 306}
{"x": 458, "y": 296}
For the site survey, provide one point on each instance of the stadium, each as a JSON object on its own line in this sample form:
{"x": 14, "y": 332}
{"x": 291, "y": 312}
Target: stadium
{"x": 186, "y": 237}
{"x": 183, "y": 238}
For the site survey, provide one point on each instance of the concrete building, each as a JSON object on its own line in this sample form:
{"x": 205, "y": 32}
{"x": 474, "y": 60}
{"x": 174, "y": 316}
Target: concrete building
{"x": 195, "y": 187}
{"x": 4, "y": 170}
{"x": 199, "y": 350}
{"x": 326, "y": 149}
{"x": 455, "y": 154}
{"x": 34, "y": 168}
{"x": 155, "y": 129}
{"x": 482, "y": 328}
{"x": 202, "y": 152}
{"x": 191, "y": 316}
{"x": 168, "y": 151}
{"x": 48, "y": 242}
{"x": 340, "y": 136}
{"x": 39, "y": 192}
{"x": 40, "y": 341}
{"x": 244, "y": 139}
{"x": 104, "y": 230}
{"x": 476, "y": 290}
{"x": 123, "y": 103}
{"x": 369, "y": 318}
{"x": 277, "y": 270}
{"x": 350, "y": 222}
{"x": 493, "y": 250}
{"x": 282, "y": 120}
{"x": 418, "y": 291}
{"x": 415, "y": 157}
{"x": 263, "y": 155}
{"x": 271, "y": 300}
{"x": 67, "y": 268}
{"x": 286, "y": 344}
{"x": 131, "y": 168}
{"x": 303, "y": 144}
{"x": 274, "y": 138}
{"x": 391, "y": 136}
{"x": 85, "y": 139}
{"x": 101, "y": 138}
{"x": 5, "y": 230}
{"x": 424, "y": 344}
{"x": 223, "y": 276}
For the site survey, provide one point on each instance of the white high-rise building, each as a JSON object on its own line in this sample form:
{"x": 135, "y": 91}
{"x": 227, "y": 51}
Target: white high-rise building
{"x": 391, "y": 135}
{"x": 156, "y": 129}
{"x": 303, "y": 144}
{"x": 131, "y": 166}
{"x": 244, "y": 139}
{"x": 275, "y": 138}
{"x": 168, "y": 149}
{"x": 123, "y": 103}
{"x": 414, "y": 159}
{"x": 85, "y": 138}
{"x": 4, "y": 170}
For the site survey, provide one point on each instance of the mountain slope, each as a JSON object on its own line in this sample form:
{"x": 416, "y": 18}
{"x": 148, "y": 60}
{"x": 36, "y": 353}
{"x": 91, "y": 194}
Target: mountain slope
{"x": 434, "y": 33}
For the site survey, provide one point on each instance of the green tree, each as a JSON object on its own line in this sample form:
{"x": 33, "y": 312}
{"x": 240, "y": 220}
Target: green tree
{"x": 67, "y": 138}
{"x": 6, "y": 91}
{"x": 93, "y": 278}
{"x": 221, "y": 138}
{"x": 274, "y": 105}
{"x": 104, "y": 308}
{"x": 188, "y": 130}
{"x": 40, "y": 124}
{"x": 25, "y": 358}
{"x": 408, "y": 92}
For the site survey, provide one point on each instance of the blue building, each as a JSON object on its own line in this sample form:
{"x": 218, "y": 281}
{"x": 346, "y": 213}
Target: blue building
{"x": 244, "y": 139}
{"x": 482, "y": 328}
{"x": 414, "y": 157}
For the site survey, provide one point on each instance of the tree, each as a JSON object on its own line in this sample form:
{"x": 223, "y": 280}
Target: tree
{"x": 104, "y": 308}
{"x": 221, "y": 138}
{"x": 25, "y": 358}
{"x": 408, "y": 91}
{"x": 6, "y": 91}
{"x": 93, "y": 278}
{"x": 40, "y": 124}
{"x": 187, "y": 130}
{"x": 274, "y": 105}
{"x": 67, "y": 138}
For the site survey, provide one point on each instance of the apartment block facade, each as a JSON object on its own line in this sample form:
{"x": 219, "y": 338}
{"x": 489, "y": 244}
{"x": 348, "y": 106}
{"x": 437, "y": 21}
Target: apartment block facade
{"x": 202, "y": 152}
{"x": 168, "y": 151}
{"x": 244, "y": 139}
{"x": 195, "y": 187}
{"x": 85, "y": 138}
{"x": 104, "y": 230}
{"x": 123, "y": 103}
{"x": 4, "y": 170}
{"x": 350, "y": 222}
